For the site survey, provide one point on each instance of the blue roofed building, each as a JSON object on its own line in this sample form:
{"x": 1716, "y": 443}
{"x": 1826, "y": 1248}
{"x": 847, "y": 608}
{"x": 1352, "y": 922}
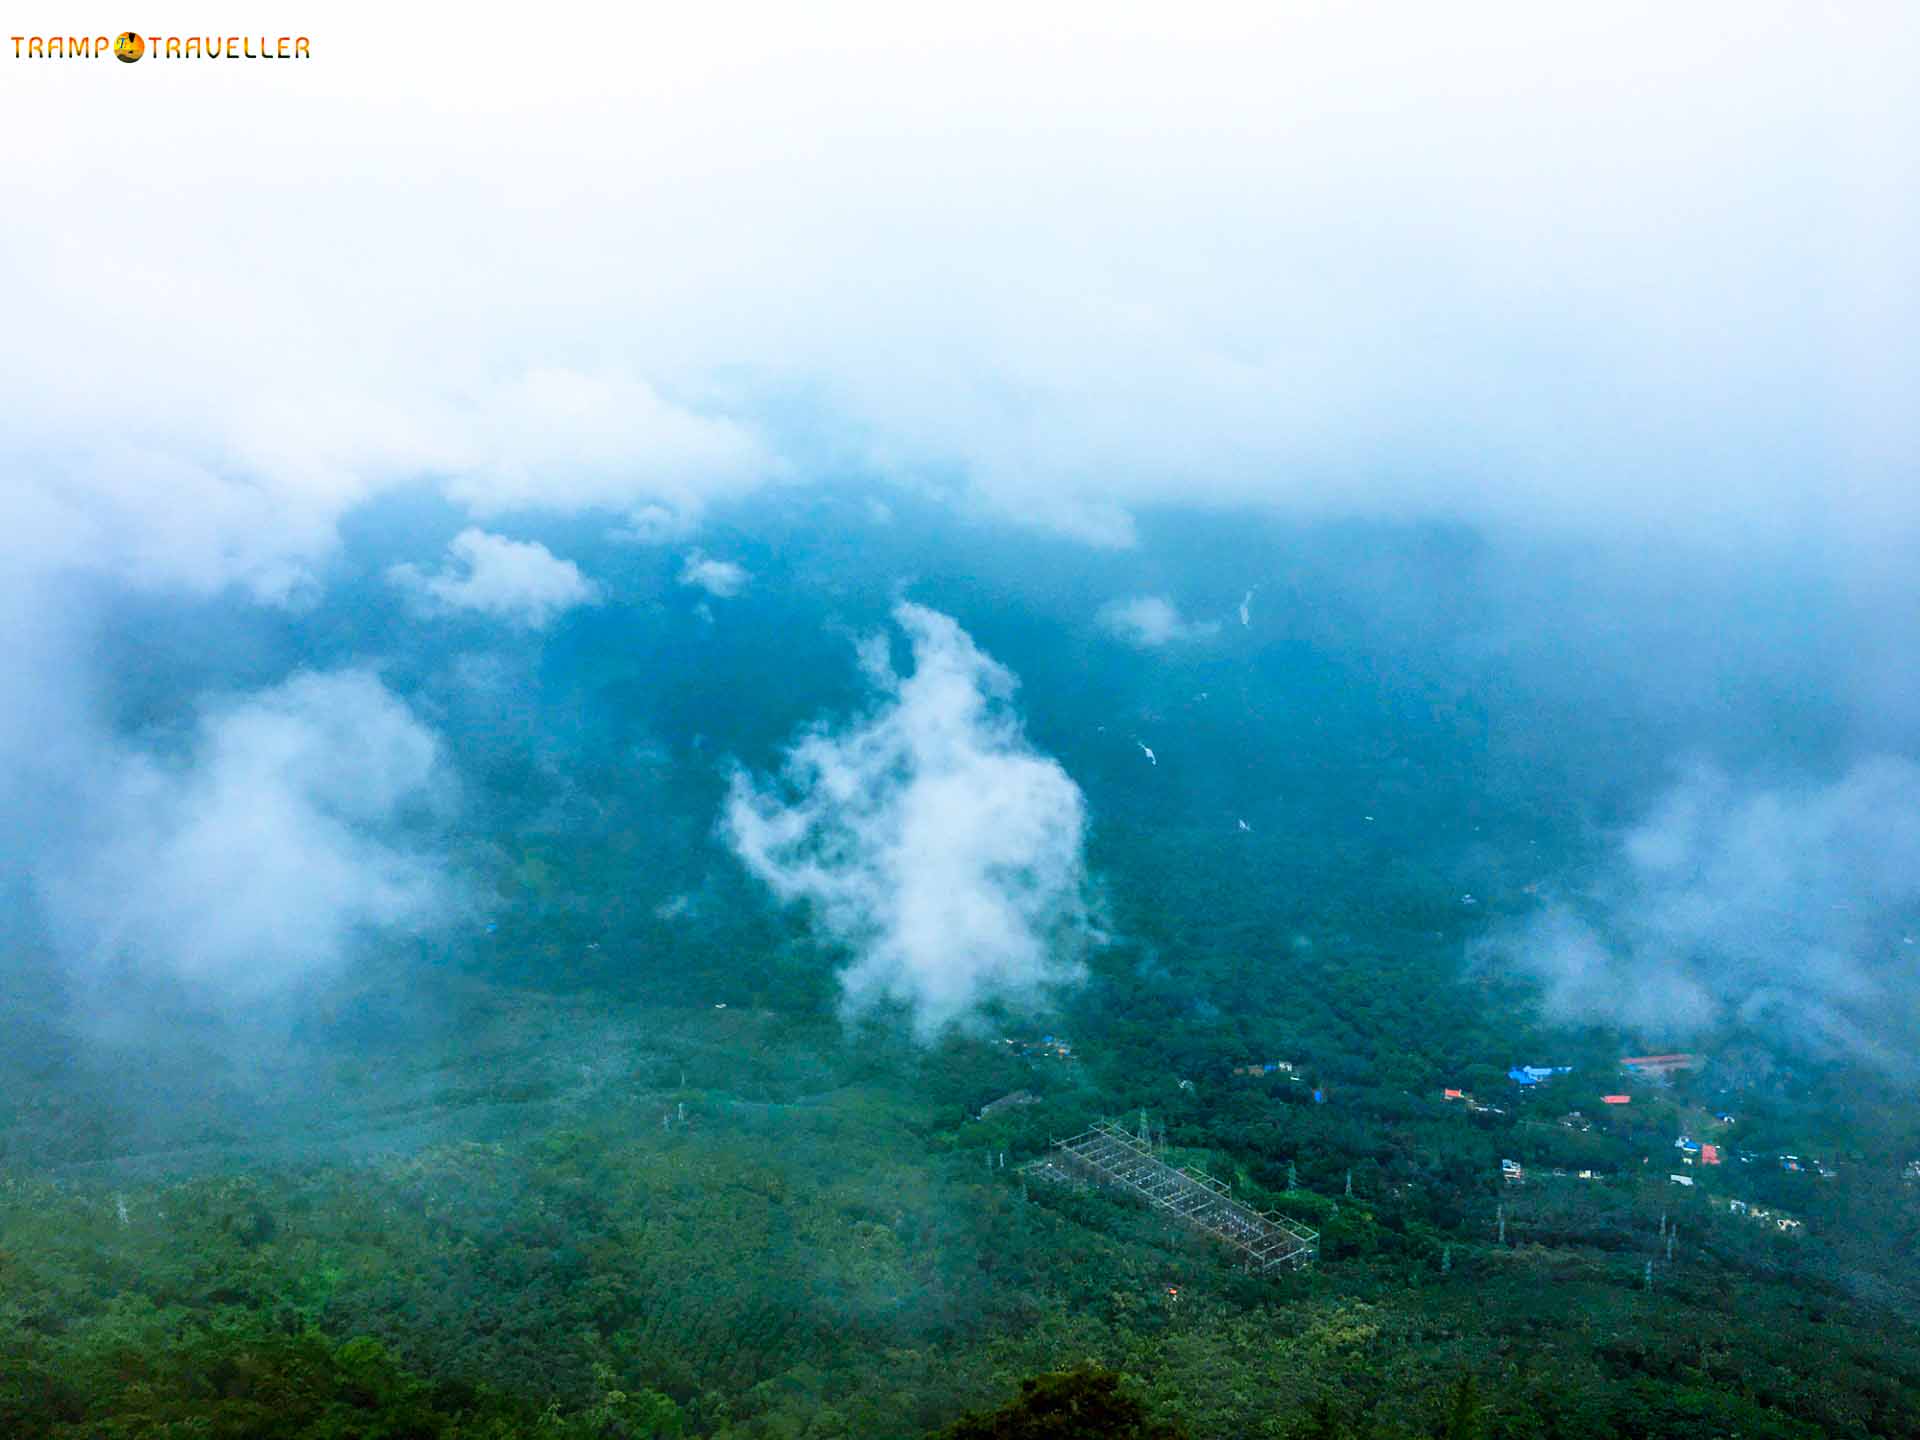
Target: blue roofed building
{"x": 1534, "y": 1074}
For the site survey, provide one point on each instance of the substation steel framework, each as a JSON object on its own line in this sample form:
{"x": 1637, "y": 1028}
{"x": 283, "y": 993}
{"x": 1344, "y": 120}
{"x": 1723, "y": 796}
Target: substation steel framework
{"x": 1109, "y": 1156}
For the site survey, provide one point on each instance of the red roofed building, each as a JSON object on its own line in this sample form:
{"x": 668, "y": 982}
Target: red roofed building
{"x": 1709, "y": 1154}
{"x": 1616, "y": 1099}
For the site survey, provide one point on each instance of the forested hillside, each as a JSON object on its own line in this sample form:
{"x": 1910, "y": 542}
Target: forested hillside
{"x": 591, "y": 1214}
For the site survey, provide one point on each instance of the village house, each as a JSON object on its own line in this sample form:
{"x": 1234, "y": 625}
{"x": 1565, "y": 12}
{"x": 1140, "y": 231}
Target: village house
{"x": 1536, "y": 1074}
{"x": 1270, "y": 1067}
{"x": 1053, "y": 1047}
{"x": 1659, "y": 1067}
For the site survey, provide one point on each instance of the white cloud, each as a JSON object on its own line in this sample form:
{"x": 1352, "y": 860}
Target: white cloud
{"x": 1788, "y": 905}
{"x": 1151, "y": 621}
{"x": 720, "y": 578}
{"x": 653, "y": 525}
{"x": 180, "y": 492}
{"x": 520, "y": 581}
{"x": 259, "y": 859}
{"x": 929, "y": 837}
{"x": 559, "y": 440}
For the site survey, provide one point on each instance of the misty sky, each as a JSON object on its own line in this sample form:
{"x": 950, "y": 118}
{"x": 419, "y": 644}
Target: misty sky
{"x": 1634, "y": 278}
{"x": 1623, "y": 268}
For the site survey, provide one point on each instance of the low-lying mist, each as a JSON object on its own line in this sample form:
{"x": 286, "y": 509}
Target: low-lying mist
{"x": 586, "y": 758}
{"x": 1790, "y": 908}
